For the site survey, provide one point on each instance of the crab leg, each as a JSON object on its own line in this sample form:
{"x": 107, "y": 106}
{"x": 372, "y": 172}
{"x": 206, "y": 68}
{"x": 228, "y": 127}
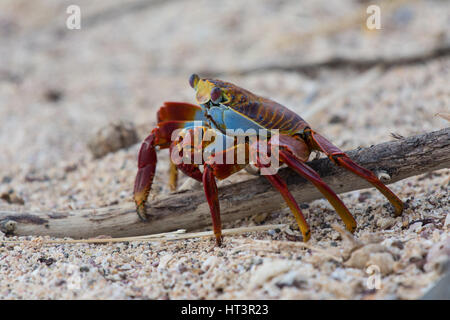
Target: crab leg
{"x": 190, "y": 169}
{"x": 161, "y": 137}
{"x": 211, "y": 193}
{"x": 173, "y": 176}
{"x": 259, "y": 150}
{"x": 171, "y": 111}
{"x": 281, "y": 186}
{"x": 221, "y": 171}
{"x": 318, "y": 142}
{"x": 309, "y": 174}
{"x": 287, "y": 145}
{"x": 178, "y": 111}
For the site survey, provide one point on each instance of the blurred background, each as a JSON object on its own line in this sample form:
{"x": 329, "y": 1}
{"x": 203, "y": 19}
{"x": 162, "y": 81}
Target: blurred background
{"x": 58, "y": 86}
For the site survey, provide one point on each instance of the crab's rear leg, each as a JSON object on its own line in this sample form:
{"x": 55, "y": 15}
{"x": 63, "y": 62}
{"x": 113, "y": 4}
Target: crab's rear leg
{"x": 257, "y": 151}
{"x": 294, "y": 152}
{"x": 318, "y": 142}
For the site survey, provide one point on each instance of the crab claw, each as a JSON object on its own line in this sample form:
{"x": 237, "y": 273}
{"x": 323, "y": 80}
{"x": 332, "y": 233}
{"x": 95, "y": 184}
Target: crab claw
{"x": 146, "y": 172}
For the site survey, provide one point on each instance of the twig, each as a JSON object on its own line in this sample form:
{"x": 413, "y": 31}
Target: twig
{"x": 399, "y": 159}
{"x": 167, "y": 236}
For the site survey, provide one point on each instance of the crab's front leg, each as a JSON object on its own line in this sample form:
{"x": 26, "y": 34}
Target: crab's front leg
{"x": 159, "y": 137}
{"x": 171, "y": 116}
{"x": 146, "y": 171}
{"x": 214, "y": 166}
{"x": 213, "y": 169}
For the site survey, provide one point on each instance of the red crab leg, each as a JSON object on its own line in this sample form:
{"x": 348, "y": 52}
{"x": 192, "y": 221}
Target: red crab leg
{"x": 173, "y": 176}
{"x": 340, "y": 158}
{"x": 160, "y": 136}
{"x": 259, "y": 150}
{"x": 179, "y": 111}
{"x": 221, "y": 171}
{"x": 306, "y": 172}
{"x": 211, "y": 193}
{"x": 281, "y": 186}
{"x": 191, "y": 170}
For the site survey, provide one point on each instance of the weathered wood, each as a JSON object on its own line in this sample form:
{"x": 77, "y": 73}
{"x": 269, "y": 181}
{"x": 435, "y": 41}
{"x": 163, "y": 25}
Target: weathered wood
{"x": 188, "y": 210}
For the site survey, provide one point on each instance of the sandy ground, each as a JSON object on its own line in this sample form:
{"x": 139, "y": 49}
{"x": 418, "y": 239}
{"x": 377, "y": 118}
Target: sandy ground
{"x": 59, "y": 86}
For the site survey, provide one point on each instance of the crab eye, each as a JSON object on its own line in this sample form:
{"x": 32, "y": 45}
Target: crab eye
{"x": 216, "y": 95}
{"x": 193, "y": 80}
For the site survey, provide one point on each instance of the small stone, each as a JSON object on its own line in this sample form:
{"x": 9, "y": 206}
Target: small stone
{"x": 53, "y": 95}
{"x": 12, "y": 198}
{"x": 70, "y": 167}
{"x": 398, "y": 244}
{"x": 267, "y": 271}
{"x": 34, "y": 176}
{"x": 336, "y": 119}
{"x": 125, "y": 267}
{"x": 364, "y": 196}
{"x": 8, "y": 226}
{"x": 261, "y": 217}
{"x": 6, "y": 179}
{"x": 292, "y": 279}
{"x": 113, "y": 137}
{"x": 164, "y": 261}
{"x": 181, "y": 267}
{"x": 359, "y": 257}
{"x": 304, "y": 206}
{"x": 385, "y": 223}
{"x": 416, "y": 227}
{"x": 383, "y": 260}
{"x": 48, "y": 262}
{"x": 84, "y": 269}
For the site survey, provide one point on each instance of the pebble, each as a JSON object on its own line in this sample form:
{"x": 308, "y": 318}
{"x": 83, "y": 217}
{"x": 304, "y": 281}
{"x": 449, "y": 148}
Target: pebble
{"x": 385, "y": 223}
{"x": 12, "y": 198}
{"x": 268, "y": 270}
{"x": 164, "y": 261}
{"x": 383, "y": 260}
{"x": 361, "y": 256}
{"x": 113, "y": 137}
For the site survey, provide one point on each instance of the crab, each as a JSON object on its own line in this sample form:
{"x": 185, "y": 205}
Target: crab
{"x": 228, "y": 110}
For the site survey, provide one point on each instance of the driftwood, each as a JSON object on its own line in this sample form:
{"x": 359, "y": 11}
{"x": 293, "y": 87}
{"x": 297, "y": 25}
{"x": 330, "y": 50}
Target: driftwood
{"x": 400, "y": 159}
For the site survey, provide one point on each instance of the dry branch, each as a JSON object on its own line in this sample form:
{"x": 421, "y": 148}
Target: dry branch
{"x": 188, "y": 210}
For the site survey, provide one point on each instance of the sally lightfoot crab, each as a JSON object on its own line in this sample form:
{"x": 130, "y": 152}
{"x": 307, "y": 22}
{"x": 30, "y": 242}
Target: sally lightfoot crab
{"x": 229, "y": 110}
